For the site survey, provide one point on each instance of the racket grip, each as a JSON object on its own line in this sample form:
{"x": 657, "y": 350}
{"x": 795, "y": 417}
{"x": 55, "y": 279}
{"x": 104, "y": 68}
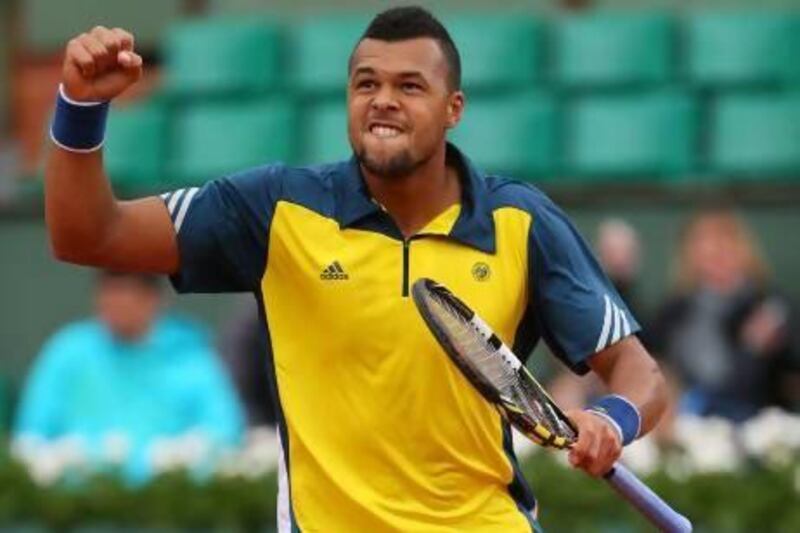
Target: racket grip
{"x": 647, "y": 502}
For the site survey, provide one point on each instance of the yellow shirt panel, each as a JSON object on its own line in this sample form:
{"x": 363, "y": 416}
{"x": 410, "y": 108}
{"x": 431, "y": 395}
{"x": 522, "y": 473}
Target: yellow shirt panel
{"x": 383, "y": 432}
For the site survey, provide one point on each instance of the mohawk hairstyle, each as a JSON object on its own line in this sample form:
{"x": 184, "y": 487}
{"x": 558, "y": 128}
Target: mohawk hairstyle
{"x": 413, "y": 22}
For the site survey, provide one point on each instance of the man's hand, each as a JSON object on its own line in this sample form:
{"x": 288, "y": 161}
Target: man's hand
{"x": 100, "y": 65}
{"x": 598, "y": 446}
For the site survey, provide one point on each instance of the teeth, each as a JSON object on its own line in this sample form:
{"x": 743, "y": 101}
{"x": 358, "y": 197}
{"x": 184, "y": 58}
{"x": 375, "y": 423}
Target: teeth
{"x": 384, "y": 131}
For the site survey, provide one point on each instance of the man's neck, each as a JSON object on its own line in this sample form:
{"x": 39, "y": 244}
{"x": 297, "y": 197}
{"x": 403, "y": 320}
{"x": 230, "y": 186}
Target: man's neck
{"x": 414, "y": 200}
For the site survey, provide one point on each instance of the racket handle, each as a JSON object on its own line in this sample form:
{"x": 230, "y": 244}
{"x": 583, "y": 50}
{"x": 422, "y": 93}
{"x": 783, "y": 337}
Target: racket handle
{"x": 647, "y": 502}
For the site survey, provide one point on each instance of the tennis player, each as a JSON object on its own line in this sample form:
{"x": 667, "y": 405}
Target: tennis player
{"x": 379, "y": 431}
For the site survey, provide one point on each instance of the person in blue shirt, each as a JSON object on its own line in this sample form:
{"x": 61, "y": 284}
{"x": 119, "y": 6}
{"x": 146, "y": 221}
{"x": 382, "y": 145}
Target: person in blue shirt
{"x": 131, "y": 375}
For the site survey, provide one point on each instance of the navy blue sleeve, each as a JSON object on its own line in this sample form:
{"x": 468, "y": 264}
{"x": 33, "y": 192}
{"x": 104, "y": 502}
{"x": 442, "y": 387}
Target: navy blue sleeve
{"x": 577, "y": 308}
{"x": 223, "y": 230}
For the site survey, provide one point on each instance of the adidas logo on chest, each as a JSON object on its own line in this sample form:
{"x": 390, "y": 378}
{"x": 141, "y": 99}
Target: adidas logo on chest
{"x": 334, "y": 272}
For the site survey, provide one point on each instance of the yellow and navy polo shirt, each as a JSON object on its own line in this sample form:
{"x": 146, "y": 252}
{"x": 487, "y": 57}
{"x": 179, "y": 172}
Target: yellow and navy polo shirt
{"x": 378, "y": 430}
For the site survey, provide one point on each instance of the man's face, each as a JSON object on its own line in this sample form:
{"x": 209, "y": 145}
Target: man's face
{"x": 127, "y": 306}
{"x": 399, "y": 104}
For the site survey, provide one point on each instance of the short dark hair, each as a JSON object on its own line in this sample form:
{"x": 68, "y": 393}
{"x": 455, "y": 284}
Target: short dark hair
{"x": 413, "y": 22}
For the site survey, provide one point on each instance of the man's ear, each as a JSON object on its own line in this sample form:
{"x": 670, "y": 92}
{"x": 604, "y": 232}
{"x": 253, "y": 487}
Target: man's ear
{"x": 455, "y": 108}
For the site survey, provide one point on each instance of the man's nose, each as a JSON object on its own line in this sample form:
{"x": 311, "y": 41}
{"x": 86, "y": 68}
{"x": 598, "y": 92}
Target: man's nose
{"x": 385, "y": 99}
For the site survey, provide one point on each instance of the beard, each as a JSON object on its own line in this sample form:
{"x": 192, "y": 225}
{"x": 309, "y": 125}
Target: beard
{"x": 397, "y": 166}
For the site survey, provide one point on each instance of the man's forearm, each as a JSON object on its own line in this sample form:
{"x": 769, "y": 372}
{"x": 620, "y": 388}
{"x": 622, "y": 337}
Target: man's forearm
{"x": 79, "y": 204}
{"x": 628, "y": 370}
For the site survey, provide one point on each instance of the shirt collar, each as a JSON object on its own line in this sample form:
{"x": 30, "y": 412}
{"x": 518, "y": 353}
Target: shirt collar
{"x": 474, "y": 226}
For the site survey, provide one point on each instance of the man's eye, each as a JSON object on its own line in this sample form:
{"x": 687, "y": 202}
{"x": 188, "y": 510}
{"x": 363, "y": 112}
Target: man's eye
{"x": 411, "y": 87}
{"x": 365, "y": 84}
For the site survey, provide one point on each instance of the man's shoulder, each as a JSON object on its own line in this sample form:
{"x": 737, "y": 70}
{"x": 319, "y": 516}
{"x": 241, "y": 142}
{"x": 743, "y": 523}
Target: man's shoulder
{"x": 179, "y": 333}
{"x": 74, "y": 339}
{"x": 88, "y": 328}
{"x": 507, "y": 192}
{"x": 310, "y": 186}
{"x": 287, "y": 177}
{"x": 549, "y": 221}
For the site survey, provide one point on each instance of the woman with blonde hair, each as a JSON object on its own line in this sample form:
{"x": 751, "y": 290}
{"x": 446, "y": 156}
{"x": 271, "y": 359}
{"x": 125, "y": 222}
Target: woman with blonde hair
{"x": 718, "y": 249}
{"x": 725, "y": 333}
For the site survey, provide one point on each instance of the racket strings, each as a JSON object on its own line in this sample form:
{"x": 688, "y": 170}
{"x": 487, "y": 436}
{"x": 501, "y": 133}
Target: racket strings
{"x": 550, "y": 417}
{"x": 473, "y": 346}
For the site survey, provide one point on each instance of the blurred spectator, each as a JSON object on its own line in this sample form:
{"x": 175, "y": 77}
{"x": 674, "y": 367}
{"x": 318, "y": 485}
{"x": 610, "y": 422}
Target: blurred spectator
{"x": 727, "y": 333}
{"x": 618, "y": 250}
{"x": 243, "y": 344}
{"x": 122, "y": 383}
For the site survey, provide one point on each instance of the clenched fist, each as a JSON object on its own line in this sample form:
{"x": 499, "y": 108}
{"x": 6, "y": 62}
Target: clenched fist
{"x": 100, "y": 65}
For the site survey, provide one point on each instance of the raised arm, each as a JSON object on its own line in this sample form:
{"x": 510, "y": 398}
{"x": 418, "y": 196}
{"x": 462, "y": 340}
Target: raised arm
{"x": 87, "y": 225}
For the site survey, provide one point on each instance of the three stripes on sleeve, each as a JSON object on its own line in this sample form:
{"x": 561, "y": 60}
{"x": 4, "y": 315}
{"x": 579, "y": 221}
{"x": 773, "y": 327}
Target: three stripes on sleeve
{"x": 178, "y": 204}
{"x": 615, "y": 325}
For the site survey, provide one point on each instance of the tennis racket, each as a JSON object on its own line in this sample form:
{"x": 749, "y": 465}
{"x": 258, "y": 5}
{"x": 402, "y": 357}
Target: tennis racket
{"x": 503, "y": 380}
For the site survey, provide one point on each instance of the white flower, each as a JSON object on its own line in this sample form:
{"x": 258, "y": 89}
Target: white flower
{"x": 773, "y": 436}
{"x": 116, "y": 447}
{"x": 710, "y": 443}
{"x": 642, "y": 456}
{"x": 258, "y": 456}
{"x": 48, "y": 461}
{"x": 186, "y": 451}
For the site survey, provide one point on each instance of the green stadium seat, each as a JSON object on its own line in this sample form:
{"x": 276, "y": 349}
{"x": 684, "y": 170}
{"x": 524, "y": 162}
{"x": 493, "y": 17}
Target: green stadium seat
{"x": 514, "y": 135}
{"x": 223, "y": 57}
{"x": 743, "y": 47}
{"x": 754, "y": 134}
{"x": 325, "y": 135}
{"x": 321, "y": 48}
{"x": 614, "y": 49}
{"x": 646, "y": 135}
{"x": 497, "y": 51}
{"x": 135, "y": 146}
{"x": 216, "y": 138}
